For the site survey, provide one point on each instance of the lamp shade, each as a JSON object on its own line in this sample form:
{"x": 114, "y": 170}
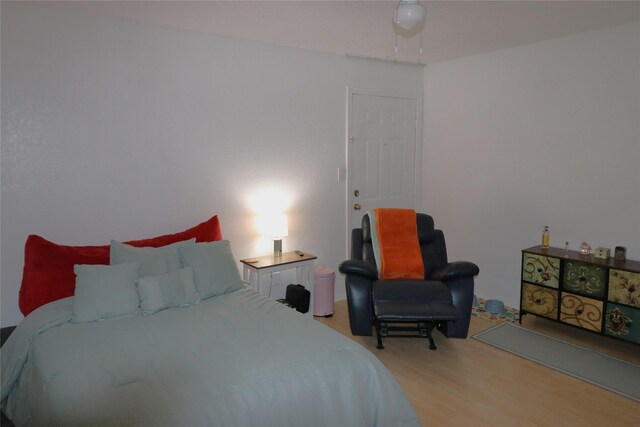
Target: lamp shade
{"x": 409, "y": 14}
{"x": 275, "y": 226}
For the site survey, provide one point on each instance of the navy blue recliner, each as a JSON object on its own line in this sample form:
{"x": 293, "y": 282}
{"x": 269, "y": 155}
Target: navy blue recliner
{"x": 442, "y": 300}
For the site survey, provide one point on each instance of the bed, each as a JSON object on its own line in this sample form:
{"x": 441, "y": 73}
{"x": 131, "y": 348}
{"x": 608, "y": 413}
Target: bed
{"x": 232, "y": 359}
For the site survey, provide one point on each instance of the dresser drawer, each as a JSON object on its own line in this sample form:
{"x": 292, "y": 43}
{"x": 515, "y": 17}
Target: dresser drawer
{"x": 541, "y": 269}
{"x": 539, "y": 300}
{"x": 623, "y": 322}
{"x": 624, "y": 287}
{"x": 584, "y": 279}
{"x": 581, "y": 311}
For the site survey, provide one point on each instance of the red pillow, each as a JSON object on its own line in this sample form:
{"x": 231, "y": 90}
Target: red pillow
{"x": 48, "y": 267}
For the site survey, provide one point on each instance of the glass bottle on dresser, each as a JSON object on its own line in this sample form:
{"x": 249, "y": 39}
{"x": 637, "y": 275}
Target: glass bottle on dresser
{"x": 545, "y": 237}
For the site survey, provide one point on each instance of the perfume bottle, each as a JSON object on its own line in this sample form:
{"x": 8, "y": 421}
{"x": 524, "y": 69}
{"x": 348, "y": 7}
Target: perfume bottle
{"x": 585, "y": 249}
{"x": 545, "y": 237}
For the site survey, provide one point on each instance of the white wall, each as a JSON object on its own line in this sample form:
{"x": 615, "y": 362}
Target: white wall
{"x": 121, "y": 130}
{"x": 542, "y": 134}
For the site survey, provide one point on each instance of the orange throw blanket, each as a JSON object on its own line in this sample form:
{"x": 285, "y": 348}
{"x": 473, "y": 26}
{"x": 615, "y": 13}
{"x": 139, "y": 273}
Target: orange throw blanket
{"x": 395, "y": 244}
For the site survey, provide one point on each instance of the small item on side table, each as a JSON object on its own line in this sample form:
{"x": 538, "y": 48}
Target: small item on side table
{"x": 566, "y": 249}
{"x": 620, "y": 253}
{"x": 299, "y": 253}
{"x": 545, "y": 237}
{"x": 585, "y": 249}
{"x": 602, "y": 253}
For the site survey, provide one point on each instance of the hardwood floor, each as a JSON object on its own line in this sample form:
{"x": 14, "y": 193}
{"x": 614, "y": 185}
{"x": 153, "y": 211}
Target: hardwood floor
{"x": 468, "y": 383}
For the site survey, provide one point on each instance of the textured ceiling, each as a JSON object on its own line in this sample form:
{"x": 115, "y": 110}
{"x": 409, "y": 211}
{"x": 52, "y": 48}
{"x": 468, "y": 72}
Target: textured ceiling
{"x": 453, "y": 29}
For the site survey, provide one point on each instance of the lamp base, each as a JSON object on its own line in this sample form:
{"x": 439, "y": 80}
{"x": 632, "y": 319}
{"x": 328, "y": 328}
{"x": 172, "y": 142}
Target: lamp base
{"x": 277, "y": 248}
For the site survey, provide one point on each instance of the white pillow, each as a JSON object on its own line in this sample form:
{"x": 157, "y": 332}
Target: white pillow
{"x": 104, "y": 291}
{"x": 214, "y": 268}
{"x": 153, "y": 261}
{"x": 173, "y": 289}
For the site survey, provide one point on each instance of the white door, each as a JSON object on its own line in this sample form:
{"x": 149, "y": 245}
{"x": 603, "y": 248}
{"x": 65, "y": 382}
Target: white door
{"x": 382, "y": 154}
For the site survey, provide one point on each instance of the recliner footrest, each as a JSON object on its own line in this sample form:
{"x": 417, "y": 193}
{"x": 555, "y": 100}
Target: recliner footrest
{"x": 426, "y": 316}
{"x": 419, "y": 312}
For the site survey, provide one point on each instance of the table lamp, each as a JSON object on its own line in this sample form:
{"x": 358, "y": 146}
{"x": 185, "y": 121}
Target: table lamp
{"x": 275, "y": 226}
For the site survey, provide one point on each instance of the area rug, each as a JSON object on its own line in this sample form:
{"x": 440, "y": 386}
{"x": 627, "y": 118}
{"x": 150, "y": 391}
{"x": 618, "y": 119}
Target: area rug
{"x": 591, "y": 366}
{"x": 509, "y": 314}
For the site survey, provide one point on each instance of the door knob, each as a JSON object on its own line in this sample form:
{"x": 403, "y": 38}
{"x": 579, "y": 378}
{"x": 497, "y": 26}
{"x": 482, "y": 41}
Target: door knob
{"x": 357, "y": 206}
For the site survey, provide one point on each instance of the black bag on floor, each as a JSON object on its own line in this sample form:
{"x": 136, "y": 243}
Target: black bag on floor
{"x": 297, "y": 297}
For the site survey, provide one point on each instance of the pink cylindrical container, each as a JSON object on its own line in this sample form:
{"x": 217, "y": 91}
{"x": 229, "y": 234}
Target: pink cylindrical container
{"x": 323, "y": 283}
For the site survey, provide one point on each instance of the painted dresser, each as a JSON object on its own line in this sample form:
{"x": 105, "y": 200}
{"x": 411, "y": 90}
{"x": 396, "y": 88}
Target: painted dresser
{"x": 597, "y": 295}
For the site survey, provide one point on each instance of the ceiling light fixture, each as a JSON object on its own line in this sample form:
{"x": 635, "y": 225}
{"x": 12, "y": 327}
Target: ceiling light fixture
{"x": 409, "y": 14}
{"x": 409, "y": 20}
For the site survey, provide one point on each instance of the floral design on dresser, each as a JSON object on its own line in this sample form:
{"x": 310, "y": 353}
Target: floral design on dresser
{"x": 617, "y": 322}
{"x": 584, "y": 279}
{"x": 541, "y": 269}
{"x": 624, "y": 287}
{"x": 539, "y": 300}
{"x": 581, "y": 311}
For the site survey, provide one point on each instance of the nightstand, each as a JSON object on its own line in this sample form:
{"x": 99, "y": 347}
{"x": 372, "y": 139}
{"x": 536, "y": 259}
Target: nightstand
{"x": 253, "y": 269}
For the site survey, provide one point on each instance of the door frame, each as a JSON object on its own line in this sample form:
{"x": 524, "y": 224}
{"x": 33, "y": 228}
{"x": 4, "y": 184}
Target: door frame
{"x": 417, "y": 98}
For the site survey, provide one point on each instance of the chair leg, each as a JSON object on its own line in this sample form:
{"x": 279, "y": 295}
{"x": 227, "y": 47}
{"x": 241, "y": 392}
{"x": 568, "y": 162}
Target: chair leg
{"x": 428, "y": 329}
{"x": 442, "y": 327}
{"x": 378, "y": 334}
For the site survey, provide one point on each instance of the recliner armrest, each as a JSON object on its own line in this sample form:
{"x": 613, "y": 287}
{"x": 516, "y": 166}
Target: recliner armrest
{"x": 454, "y": 270}
{"x": 356, "y": 266}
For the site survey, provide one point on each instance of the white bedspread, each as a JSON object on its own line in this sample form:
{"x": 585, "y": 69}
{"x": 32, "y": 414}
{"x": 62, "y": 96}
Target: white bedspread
{"x": 234, "y": 360}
